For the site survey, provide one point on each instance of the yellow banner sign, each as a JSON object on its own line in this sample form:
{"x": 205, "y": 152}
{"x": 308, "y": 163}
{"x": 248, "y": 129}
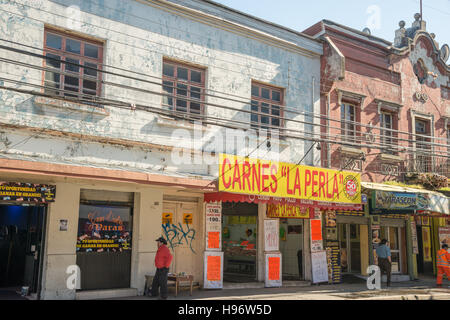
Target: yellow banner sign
{"x": 287, "y": 211}
{"x": 286, "y": 180}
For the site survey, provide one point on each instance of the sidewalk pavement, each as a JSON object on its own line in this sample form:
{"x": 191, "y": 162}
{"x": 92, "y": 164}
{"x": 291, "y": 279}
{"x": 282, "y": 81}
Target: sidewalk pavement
{"x": 421, "y": 289}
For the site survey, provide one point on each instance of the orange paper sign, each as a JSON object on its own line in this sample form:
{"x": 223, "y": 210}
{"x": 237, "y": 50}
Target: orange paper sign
{"x": 213, "y": 240}
{"x": 213, "y": 266}
{"x": 316, "y": 230}
{"x": 274, "y": 268}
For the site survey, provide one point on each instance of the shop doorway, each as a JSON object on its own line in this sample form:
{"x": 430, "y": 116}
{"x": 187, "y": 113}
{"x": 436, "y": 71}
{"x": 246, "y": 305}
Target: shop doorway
{"x": 239, "y": 241}
{"x": 350, "y": 247}
{"x": 104, "y": 239}
{"x": 179, "y": 228}
{"x": 393, "y": 236}
{"x": 424, "y": 258}
{"x": 291, "y": 247}
{"x": 21, "y": 246}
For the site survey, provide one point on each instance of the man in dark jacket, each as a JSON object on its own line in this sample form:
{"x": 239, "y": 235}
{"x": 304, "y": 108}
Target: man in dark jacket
{"x": 384, "y": 259}
{"x": 163, "y": 259}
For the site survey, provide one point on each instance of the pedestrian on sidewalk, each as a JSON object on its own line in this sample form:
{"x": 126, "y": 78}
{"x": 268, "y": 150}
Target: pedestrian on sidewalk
{"x": 443, "y": 264}
{"x": 384, "y": 259}
{"x": 163, "y": 259}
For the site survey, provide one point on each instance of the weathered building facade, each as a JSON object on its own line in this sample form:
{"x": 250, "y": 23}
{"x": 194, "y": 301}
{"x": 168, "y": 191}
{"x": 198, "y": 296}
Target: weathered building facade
{"x": 117, "y": 108}
{"x": 386, "y": 116}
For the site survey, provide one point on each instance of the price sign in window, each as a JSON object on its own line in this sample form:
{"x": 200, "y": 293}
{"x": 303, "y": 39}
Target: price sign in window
{"x": 104, "y": 229}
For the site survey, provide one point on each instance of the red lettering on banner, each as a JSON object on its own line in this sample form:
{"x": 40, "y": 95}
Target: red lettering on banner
{"x": 321, "y": 183}
{"x": 329, "y": 195}
{"x": 335, "y": 187}
{"x": 307, "y": 180}
{"x": 265, "y": 177}
{"x": 237, "y": 175}
{"x": 289, "y": 191}
{"x": 297, "y": 182}
{"x": 246, "y": 174}
{"x": 256, "y": 176}
{"x": 274, "y": 184}
{"x": 225, "y": 184}
{"x": 314, "y": 182}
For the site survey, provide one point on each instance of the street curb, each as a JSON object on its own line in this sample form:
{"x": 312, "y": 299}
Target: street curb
{"x": 411, "y": 297}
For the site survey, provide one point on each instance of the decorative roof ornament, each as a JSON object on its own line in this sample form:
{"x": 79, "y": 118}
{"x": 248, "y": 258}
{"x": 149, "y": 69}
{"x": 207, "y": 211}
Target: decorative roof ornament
{"x": 400, "y": 36}
{"x": 444, "y": 53}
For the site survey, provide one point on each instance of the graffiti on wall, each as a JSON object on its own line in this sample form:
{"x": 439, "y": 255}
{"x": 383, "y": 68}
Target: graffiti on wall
{"x": 178, "y": 235}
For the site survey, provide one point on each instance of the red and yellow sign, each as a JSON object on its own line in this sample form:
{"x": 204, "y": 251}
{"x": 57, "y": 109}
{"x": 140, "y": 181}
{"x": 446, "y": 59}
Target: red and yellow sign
{"x": 274, "y": 268}
{"x": 287, "y": 211}
{"x": 316, "y": 230}
{"x": 214, "y": 269}
{"x": 213, "y": 240}
{"x": 286, "y": 180}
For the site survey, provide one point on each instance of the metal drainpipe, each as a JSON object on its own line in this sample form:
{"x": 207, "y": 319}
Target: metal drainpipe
{"x": 328, "y": 131}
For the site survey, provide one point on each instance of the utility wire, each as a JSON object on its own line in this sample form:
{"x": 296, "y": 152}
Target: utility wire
{"x": 183, "y": 115}
{"x": 214, "y": 105}
{"x": 147, "y": 40}
{"x": 358, "y": 124}
{"x": 114, "y": 31}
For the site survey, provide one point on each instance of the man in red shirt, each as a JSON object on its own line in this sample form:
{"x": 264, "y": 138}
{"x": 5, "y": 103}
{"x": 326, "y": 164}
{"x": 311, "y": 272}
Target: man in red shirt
{"x": 163, "y": 259}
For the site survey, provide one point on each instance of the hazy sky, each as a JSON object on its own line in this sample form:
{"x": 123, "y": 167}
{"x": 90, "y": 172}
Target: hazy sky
{"x": 381, "y": 16}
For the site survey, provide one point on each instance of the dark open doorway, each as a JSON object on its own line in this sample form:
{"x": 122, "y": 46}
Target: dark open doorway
{"x": 21, "y": 244}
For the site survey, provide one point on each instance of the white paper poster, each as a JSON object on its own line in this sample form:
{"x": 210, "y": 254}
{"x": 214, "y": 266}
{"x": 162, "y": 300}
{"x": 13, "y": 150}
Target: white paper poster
{"x": 319, "y": 266}
{"x": 271, "y": 235}
{"x": 213, "y": 214}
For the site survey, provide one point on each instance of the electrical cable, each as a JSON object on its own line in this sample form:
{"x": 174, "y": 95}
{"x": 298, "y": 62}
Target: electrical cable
{"x": 184, "y": 116}
{"x": 214, "y": 105}
{"x": 239, "y": 110}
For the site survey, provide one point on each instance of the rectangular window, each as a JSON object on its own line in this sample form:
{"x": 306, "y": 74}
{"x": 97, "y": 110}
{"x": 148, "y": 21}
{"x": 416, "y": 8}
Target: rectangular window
{"x": 267, "y": 107}
{"x": 348, "y": 119}
{"x": 74, "y": 63}
{"x": 184, "y": 88}
{"x": 423, "y": 147}
{"x": 387, "y": 140}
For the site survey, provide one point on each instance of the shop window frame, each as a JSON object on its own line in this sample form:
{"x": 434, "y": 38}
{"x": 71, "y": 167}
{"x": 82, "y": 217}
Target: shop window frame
{"x": 259, "y": 103}
{"x": 64, "y": 68}
{"x": 173, "y": 87}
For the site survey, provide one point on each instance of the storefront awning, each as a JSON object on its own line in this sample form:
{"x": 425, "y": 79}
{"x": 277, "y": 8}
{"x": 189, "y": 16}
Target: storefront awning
{"x": 234, "y": 197}
{"x": 393, "y": 198}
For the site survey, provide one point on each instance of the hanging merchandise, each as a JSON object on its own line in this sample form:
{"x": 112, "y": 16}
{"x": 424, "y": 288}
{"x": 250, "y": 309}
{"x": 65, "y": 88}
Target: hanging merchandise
{"x": 282, "y": 234}
{"x": 226, "y": 233}
{"x": 334, "y": 265}
{"x": 426, "y": 236}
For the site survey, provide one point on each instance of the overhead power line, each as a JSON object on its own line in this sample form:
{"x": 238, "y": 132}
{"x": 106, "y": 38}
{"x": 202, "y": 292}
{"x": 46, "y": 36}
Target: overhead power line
{"x": 281, "y": 118}
{"x": 180, "y": 115}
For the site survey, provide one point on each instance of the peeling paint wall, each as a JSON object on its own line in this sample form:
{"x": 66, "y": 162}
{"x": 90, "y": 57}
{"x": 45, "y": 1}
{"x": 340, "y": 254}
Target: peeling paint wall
{"x": 137, "y": 37}
{"x": 378, "y": 75}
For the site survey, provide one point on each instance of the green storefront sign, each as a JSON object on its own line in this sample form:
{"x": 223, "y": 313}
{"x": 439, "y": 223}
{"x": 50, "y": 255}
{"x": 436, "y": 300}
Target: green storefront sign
{"x": 393, "y": 202}
{"x": 403, "y": 203}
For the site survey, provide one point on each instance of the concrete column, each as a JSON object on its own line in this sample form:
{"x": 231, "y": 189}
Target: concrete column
{"x": 307, "y": 250}
{"x": 60, "y": 246}
{"x": 365, "y": 246}
{"x": 412, "y": 263}
{"x": 262, "y": 208}
{"x": 148, "y": 206}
